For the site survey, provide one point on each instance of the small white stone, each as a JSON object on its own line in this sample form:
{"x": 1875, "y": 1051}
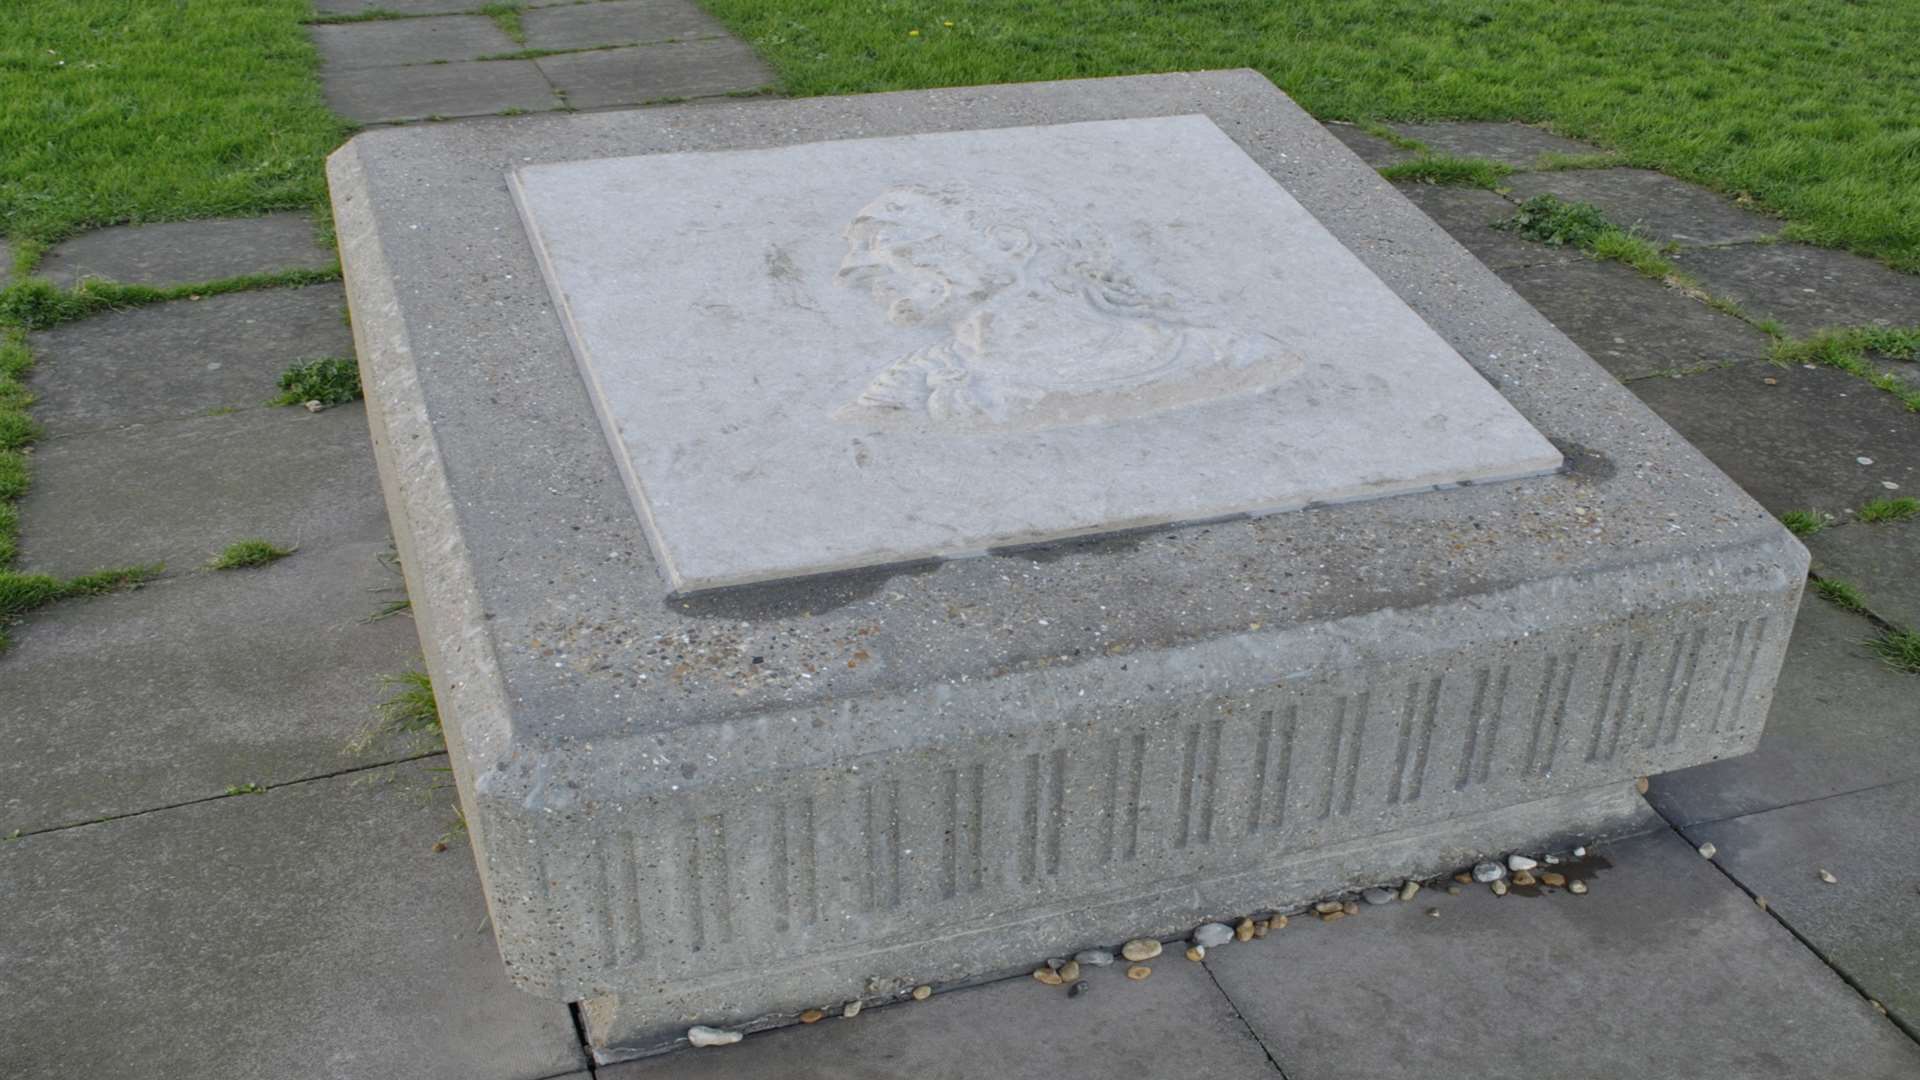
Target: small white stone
{"x": 1550, "y": 860}
{"x": 1828, "y": 877}
{"x": 1579, "y": 853}
{"x": 1864, "y": 460}
{"x": 1489, "y": 871}
{"x": 1890, "y": 485}
{"x": 1708, "y": 851}
{"x": 706, "y": 1036}
{"x": 1212, "y": 934}
{"x": 852, "y": 1010}
{"x": 1520, "y": 862}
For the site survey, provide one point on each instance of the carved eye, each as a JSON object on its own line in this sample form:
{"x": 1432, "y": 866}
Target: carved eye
{"x": 1010, "y": 238}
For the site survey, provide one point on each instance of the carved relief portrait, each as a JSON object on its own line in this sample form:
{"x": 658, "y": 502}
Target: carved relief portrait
{"x": 1035, "y": 322}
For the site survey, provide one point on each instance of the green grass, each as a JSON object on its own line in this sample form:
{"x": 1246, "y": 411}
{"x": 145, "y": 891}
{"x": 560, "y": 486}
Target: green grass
{"x": 1803, "y": 522}
{"x": 1812, "y": 110}
{"x": 1449, "y": 169}
{"x": 506, "y": 15}
{"x": 410, "y": 708}
{"x": 1850, "y": 349}
{"x": 1841, "y": 595}
{"x": 1899, "y": 648}
{"x": 21, "y": 593}
{"x": 246, "y": 789}
{"x": 1558, "y": 223}
{"x": 244, "y": 553}
{"x": 36, "y": 304}
{"x": 333, "y": 380}
{"x": 117, "y": 111}
{"x": 1880, "y": 511}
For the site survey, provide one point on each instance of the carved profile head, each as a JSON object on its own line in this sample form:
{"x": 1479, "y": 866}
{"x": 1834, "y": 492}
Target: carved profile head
{"x": 1043, "y": 325}
{"x": 930, "y": 254}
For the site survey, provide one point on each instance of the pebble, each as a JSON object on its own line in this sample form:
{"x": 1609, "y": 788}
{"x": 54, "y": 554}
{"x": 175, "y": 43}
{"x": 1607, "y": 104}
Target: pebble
{"x": 1278, "y": 922}
{"x": 1488, "y": 871}
{"x": 1078, "y": 988}
{"x": 1409, "y": 890}
{"x": 1138, "y": 972}
{"x": 1070, "y": 971}
{"x": 1055, "y": 963}
{"x": 1579, "y": 853}
{"x": 1351, "y": 907}
{"x": 1463, "y": 877}
{"x": 1640, "y": 785}
{"x": 1260, "y": 928}
{"x": 1520, "y": 862}
{"x": 1577, "y": 888}
{"x": 922, "y": 993}
{"x": 1761, "y": 901}
{"x": 1453, "y": 890}
{"x": 1708, "y": 851}
{"x": 1140, "y": 948}
{"x": 1828, "y": 878}
{"x": 706, "y": 1036}
{"x": 1332, "y": 916}
{"x": 1048, "y": 975}
{"x": 1211, "y": 934}
{"x": 1877, "y": 1007}
{"x": 1325, "y": 907}
{"x": 1094, "y": 957}
{"x": 812, "y": 1016}
{"x": 1522, "y": 878}
{"x": 1196, "y": 953}
{"x": 1243, "y": 929}
{"x": 1553, "y": 879}
{"x": 1499, "y": 886}
{"x": 852, "y": 1010}
{"x": 1550, "y": 859}
{"x": 1377, "y": 896}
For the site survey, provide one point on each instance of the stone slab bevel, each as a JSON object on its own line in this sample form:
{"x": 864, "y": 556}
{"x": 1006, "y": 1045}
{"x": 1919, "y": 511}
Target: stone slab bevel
{"x": 815, "y": 752}
{"x": 1235, "y": 359}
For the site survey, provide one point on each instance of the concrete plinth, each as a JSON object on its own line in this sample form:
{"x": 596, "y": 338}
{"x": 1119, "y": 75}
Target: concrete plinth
{"x": 728, "y": 807}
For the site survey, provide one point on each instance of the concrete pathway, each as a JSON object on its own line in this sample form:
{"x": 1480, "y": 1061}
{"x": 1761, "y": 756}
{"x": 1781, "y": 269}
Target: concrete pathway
{"x": 432, "y": 64}
{"x": 164, "y": 921}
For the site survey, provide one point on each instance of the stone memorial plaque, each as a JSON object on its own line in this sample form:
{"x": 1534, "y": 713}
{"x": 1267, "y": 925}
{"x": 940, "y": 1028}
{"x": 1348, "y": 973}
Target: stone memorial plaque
{"x": 844, "y": 354}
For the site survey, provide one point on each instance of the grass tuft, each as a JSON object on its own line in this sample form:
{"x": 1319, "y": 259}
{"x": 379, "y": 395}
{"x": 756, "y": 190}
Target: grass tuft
{"x": 1450, "y": 170}
{"x": 1558, "y": 223}
{"x": 1848, "y": 348}
{"x": 246, "y": 789}
{"x": 333, "y": 380}
{"x": 245, "y": 553}
{"x": 1803, "y": 522}
{"x": 1841, "y": 595}
{"x": 506, "y": 15}
{"x": 1880, "y": 511}
{"x": 1899, "y": 648}
{"x": 21, "y": 593}
{"x": 409, "y": 709}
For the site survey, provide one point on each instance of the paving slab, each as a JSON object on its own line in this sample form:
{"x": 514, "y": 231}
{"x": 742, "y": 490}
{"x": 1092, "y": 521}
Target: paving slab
{"x": 1806, "y": 288}
{"x": 309, "y": 931}
{"x": 1174, "y": 1023}
{"x": 183, "y": 358}
{"x": 1664, "y": 969}
{"x": 1468, "y": 215}
{"x": 423, "y": 91}
{"x": 190, "y": 685}
{"x": 647, "y": 73}
{"x": 1372, "y": 149}
{"x": 177, "y": 492}
{"x": 1652, "y": 204}
{"x": 1866, "y": 923}
{"x": 1518, "y": 145}
{"x": 188, "y": 252}
{"x": 392, "y": 42}
{"x": 618, "y": 22}
{"x": 1842, "y": 720}
{"x": 1795, "y": 443}
{"x": 1882, "y": 559}
{"x": 1633, "y": 325}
